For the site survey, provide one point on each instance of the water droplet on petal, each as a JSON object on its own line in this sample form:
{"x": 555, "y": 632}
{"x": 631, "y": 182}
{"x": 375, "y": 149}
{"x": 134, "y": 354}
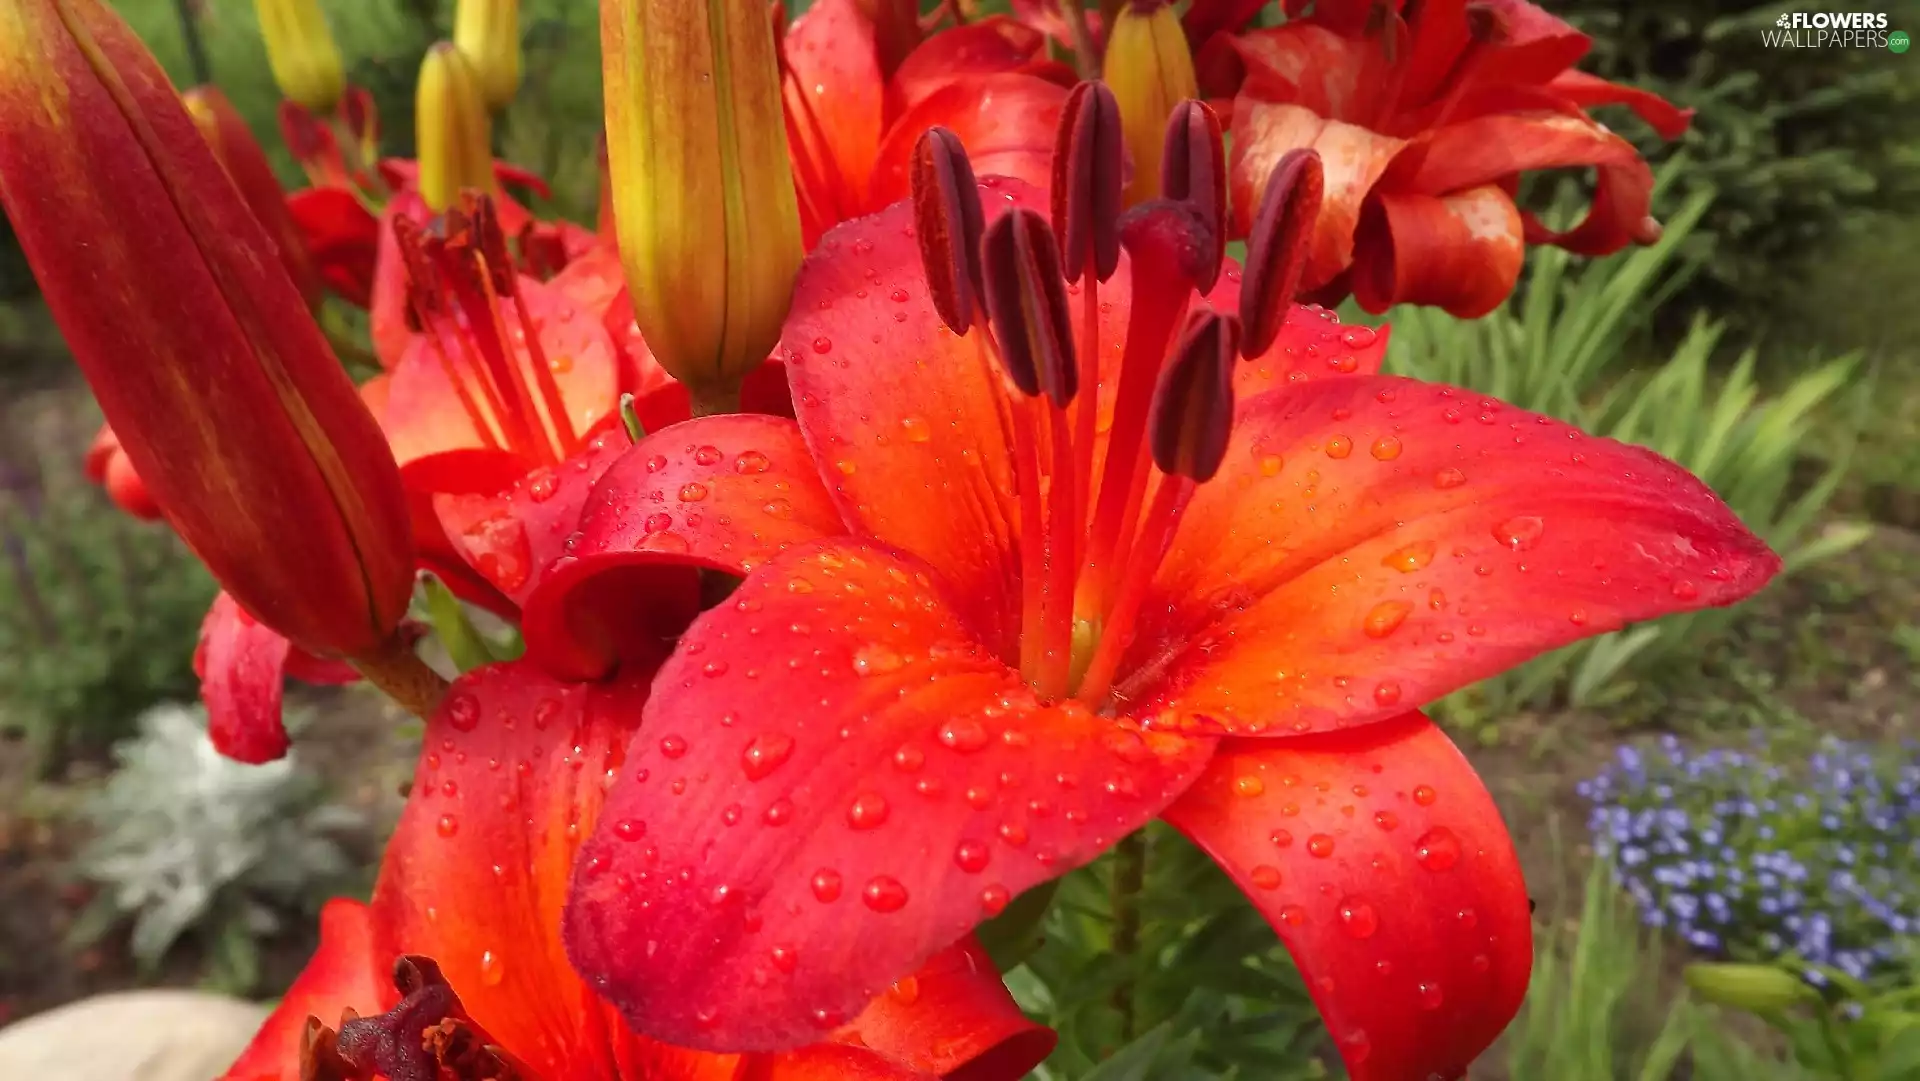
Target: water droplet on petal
{"x": 1411, "y": 558}
{"x": 692, "y": 492}
{"x": 823, "y": 345}
{"x": 868, "y": 810}
{"x": 1424, "y": 795}
{"x": 463, "y": 712}
{"x": 1430, "y": 996}
{"x": 1265, "y": 876}
{"x": 826, "y": 885}
{"x": 765, "y": 753}
{"x": 1248, "y": 786}
{"x": 1685, "y": 590}
{"x": 884, "y": 893}
{"x": 1519, "y": 533}
{"x": 1449, "y": 477}
{"x": 916, "y": 429}
{"x": 778, "y": 508}
{"x": 784, "y": 958}
{"x": 751, "y": 461}
{"x": 964, "y": 734}
{"x": 672, "y": 746}
{"x": 1386, "y": 820}
{"x": 778, "y": 813}
{"x": 1387, "y": 694}
{"x": 1271, "y": 464}
{"x": 875, "y": 660}
{"x": 1320, "y": 846}
{"x": 1385, "y": 618}
{"x": 1437, "y": 849}
{"x": 1339, "y": 446}
{"x": 1357, "y": 918}
{"x": 542, "y": 485}
{"x": 1356, "y": 1046}
{"x": 993, "y": 900}
{"x": 1386, "y": 448}
{"x": 971, "y": 856}
{"x": 1293, "y": 915}
{"x": 492, "y": 971}
{"x": 447, "y": 826}
{"x": 630, "y": 829}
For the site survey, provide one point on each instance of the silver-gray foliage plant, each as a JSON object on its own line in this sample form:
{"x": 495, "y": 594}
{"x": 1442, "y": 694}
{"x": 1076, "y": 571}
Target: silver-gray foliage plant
{"x": 182, "y": 835}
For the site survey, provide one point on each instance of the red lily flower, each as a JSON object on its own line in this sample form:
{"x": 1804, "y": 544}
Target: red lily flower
{"x": 470, "y": 896}
{"x": 107, "y": 465}
{"x": 885, "y": 735}
{"x": 853, "y": 113}
{"x": 1425, "y": 124}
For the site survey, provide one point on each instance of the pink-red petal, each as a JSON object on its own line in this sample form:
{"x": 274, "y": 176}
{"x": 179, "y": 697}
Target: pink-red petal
{"x": 834, "y": 94}
{"x": 342, "y": 237}
{"x": 242, "y": 665}
{"x": 726, "y": 492}
{"x": 1007, "y": 121}
{"x": 1384, "y": 865}
{"x": 1461, "y": 252}
{"x": 1372, "y": 543}
{"x": 993, "y": 44}
{"x": 1586, "y": 91}
{"x": 835, "y": 781}
{"x": 953, "y": 1019}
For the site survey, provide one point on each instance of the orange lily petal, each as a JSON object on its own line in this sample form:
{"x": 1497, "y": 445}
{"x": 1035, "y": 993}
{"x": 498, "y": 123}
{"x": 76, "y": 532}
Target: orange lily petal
{"x": 1007, "y": 122}
{"x": 1382, "y": 862}
{"x": 903, "y": 417}
{"x": 953, "y": 1013}
{"x": 1461, "y": 252}
{"x": 342, "y": 236}
{"x": 827, "y": 1062}
{"x": 1305, "y": 64}
{"x": 387, "y": 305}
{"x": 1373, "y": 543}
{"x": 1312, "y": 344}
{"x": 1588, "y": 90}
{"x": 352, "y": 969}
{"x": 726, "y": 492}
{"x": 835, "y": 100}
{"x": 513, "y": 537}
{"x": 512, "y": 777}
{"x": 1535, "y": 45}
{"x": 1352, "y": 157}
{"x": 766, "y": 868}
{"x": 993, "y": 44}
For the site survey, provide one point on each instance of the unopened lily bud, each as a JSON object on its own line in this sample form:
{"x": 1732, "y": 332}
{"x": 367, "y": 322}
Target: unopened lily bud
{"x": 709, "y": 229}
{"x": 451, "y": 129}
{"x": 300, "y": 49}
{"x": 1755, "y": 988}
{"x": 220, "y": 389}
{"x": 488, "y": 32}
{"x": 1150, "y": 71}
{"x": 240, "y": 154}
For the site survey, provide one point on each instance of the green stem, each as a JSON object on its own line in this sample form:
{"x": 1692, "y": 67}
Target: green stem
{"x": 1129, "y": 878}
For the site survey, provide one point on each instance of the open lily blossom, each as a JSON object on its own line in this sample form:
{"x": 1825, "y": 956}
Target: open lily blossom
{"x": 1222, "y": 608}
{"x": 1427, "y": 116}
{"x": 456, "y": 971}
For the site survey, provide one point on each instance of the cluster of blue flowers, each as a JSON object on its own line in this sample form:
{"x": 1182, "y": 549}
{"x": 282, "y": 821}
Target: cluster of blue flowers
{"x": 1745, "y": 856}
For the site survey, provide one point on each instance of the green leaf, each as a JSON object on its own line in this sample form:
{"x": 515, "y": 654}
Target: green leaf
{"x": 450, "y": 624}
{"x": 1013, "y": 935}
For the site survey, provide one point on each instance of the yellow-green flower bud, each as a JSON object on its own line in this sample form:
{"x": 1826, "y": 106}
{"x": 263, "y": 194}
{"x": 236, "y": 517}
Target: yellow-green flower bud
{"x": 306, "y": 63}
{"x": 1755, "y": 988}
{"x": 488, "y": 31}
{"x": 451, "y": 129}
{"x": 1150, "y": 70}
{"x": 703, "y": 196}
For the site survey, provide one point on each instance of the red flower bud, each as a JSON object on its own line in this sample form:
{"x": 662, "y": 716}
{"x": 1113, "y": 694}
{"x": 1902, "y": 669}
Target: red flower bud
{"x": 174, "y": 300}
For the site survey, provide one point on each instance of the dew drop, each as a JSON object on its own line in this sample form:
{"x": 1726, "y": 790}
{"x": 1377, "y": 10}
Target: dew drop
{"x": 1013, "y": 833}
{"x": 692, "y": 492}
{"x": 1519, "y": 533}
{"x": 778, "y": 813}
{"x": 542, "y": 485}
{"x": 884, "y": 893}
{"x": 447, "y": 826}
{"x": 765, "y": 753}
{"x": 1685, "y": 590}
{"x": 492, "y": 970}
{"x": 630, "y": 829}
{"x": 777, "y": 508}
{"x": 672, "y": 746}
{"x": 751, "y": 461}
{"x": 463, "y": 712}
{"x": 1358, "y": 337}
{"x": 784, "y": 958}
{"x": 1357, "y": 918}
{"x": 1271, "y": 464}
{"x": 993, "y": 900}
{"x": 1386, "y": 820}
{"x": 867, "y": 811}
{"x": 1356, "y": 1046}
{"x": 1320, "y": 846}
{"x": 1281, "y": 839}
{"x": 917, "y": 429}
{"x": 1437, "y": 849}
{"x": 1385, "y": 618}
{"x": 1339, "y": 446}
{"x": 1265, "y": 876}
{"x": 823, "y": 345}
{"x": 1386, "y": 448}
{"x": 1424, "y": 795}
{"x": 656, "y": 523}
{"x": 971, "y": 856}
{"x": 1411, "y": 558}
{"x": 876, "y": 660}
{"x": 1430, "y": 996}
{"x": 1449, "y": 477}
{"x": 1481, "y": 962}
{"x": 1293, "y": 915}
{"x": 964, "y": 734}
{"x": 826, "y": 885}
{"x": 1248, "y": 786}
{"x": 707, "y": 455}
{"x": 1387, "y": 694}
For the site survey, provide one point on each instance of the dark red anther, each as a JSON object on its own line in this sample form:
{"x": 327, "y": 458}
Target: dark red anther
{"x": 427, "y": 1037}
{"x": 1277, "y": 247}
{"x": 1193, "y": 169}
{"x": 543, "y": 252}
{"x": 1026, "y": 301}
{"x": 1193, "y": 405}
{"x": 359, "y": 115}
{"x": 948, "y": 222}
{"x": 1087, "y": 161}
{"x": 491, "y": 240}
{"x": 307, "y": 139}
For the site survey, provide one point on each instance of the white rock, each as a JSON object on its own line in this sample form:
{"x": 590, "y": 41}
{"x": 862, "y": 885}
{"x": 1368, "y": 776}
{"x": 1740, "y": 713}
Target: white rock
{"x": 132, "y": 1036}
